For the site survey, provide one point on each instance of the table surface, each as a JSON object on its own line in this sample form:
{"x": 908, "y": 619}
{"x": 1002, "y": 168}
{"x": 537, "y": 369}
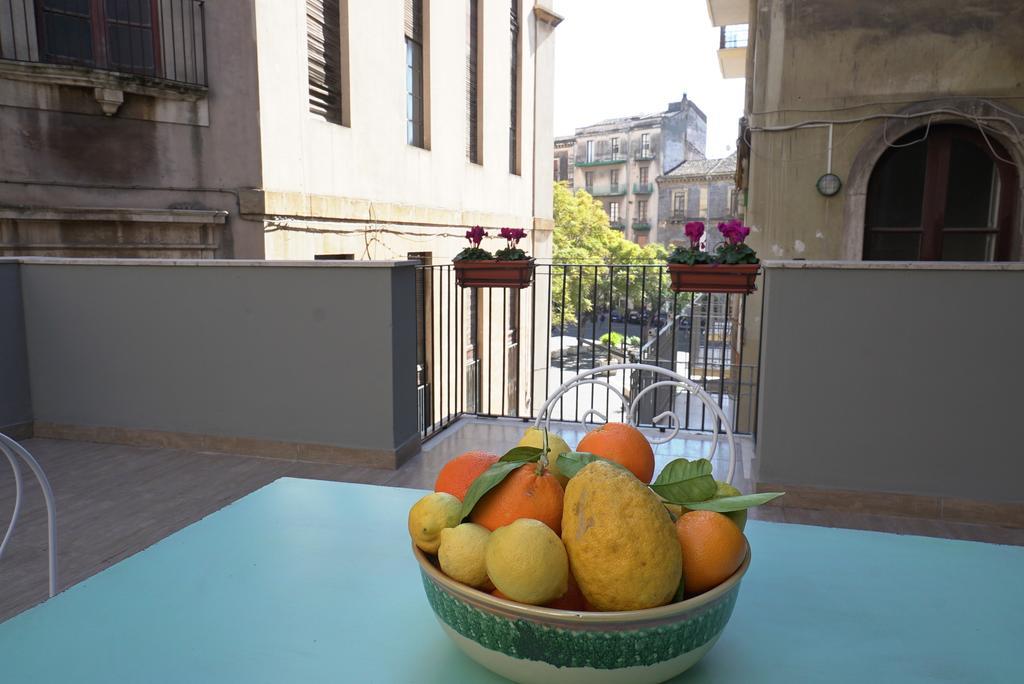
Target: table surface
{"x": 311, "y": 581}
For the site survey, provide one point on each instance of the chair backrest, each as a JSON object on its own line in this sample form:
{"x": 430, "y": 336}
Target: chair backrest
{"x": 672, "y": 381}
{"x": 17, "y": 454}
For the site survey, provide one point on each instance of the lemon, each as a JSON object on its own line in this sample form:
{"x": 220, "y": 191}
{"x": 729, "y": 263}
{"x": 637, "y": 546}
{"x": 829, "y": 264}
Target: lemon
{"x": 738, "y": 517}
{"x": 621, "y": 541}
{"x": 527, "y": 562}
{"x": 534, "y": 437}
{"x": 429, "y": 516}
{"x": 461, "y": 553}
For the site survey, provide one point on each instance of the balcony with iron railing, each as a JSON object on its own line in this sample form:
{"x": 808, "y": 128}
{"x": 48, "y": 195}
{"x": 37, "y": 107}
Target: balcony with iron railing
{"x": 152, "y": 41}
{"x": 612, "y": 190}
{"x": 644, "y": 154}
{"x": 603, "y": 159}
{"x": 617, "y": 224}
{"x": 641, "y": 224}
{"x": 732, "y": 51}
{"x": 643, "y": 188}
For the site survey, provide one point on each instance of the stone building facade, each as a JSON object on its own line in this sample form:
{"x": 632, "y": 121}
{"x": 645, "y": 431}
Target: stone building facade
{"x": 696, "y": 190}
{"x": 619, "y": 160}
{"x": 281, "y": 130}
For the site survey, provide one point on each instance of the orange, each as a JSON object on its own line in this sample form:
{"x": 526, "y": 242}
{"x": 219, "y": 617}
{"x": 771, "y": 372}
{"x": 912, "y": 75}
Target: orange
{"x": 713, "y": 549}
{"x": 529, "y": 491}
{"x": 623, "y": 444}
{"x": 458, "y": 474}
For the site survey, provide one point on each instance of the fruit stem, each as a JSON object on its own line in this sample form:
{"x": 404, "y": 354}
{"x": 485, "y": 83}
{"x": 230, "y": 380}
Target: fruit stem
{"x": 544, "y": 450}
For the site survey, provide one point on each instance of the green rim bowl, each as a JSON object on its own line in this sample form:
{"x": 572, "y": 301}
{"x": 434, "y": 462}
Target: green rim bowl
{"x": 531, "y": 644}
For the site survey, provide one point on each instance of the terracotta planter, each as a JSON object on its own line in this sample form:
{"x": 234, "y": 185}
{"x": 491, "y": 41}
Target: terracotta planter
{"x": 489, "y": 273}
{"x": 713, "y": 277}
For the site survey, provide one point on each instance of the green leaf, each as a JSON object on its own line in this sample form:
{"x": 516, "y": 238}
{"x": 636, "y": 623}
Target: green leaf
{"x": 683, "y": 480}
{"x": 572, "y": 462}
{"x": 485, "y": 482}
{"x": 727, "y": 504}
{"x": 521, "y": 454}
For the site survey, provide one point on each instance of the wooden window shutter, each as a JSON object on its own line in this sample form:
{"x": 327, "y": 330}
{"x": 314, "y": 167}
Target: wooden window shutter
{"x": 472, "y": 81}
{"x": 414, "y": 20}
{"x": 323, "y": 40}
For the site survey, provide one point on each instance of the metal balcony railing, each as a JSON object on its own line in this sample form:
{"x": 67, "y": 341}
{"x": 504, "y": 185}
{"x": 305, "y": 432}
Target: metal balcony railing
{"x": 617, "y": 224}
{"x": 643, "y": 188}
{"x": 479, "y": 345}
{"x": 602, "y": 159}
{"x": 641, "y": 224}
{"x": 733, "y": 37}
{"x": 158, "y": 39}
{"x": 613, "y": 190}
{"x": 644, "y": 154}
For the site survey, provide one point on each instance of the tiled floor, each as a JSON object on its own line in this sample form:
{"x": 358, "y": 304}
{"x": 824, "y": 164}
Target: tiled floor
{"x": 114, "y": 501}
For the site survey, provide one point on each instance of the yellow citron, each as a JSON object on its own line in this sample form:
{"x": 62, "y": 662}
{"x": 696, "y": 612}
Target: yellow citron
{"x": 534, "y": 437}
{"x": 527, "y": 562}
{"x": 461, "y": 553}
{"x": 429, "y": 516}
{"x": 622, "y": 545}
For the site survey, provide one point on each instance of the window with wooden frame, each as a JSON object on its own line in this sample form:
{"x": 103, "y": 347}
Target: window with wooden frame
{"x": 325, "y": 55}
{"x": 119, "y": 35}
{"x": 513, "y": 129}
{"x": 414, "y": 66}
{"x": 615, "y": 148}
{"x": 613, "y": 212}
{"x": 643, "y": 175}
{"x": 641, "y": 210}
{"x": 679, "y": 203}
{"x": 944, "y": 192}
{"x": 473, "y": 70}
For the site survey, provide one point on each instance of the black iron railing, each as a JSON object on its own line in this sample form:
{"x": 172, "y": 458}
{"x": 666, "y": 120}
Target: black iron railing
{"x": 160, "y": 39}
{"x": 500, "y": 353}
{"x": 733, "y": 36}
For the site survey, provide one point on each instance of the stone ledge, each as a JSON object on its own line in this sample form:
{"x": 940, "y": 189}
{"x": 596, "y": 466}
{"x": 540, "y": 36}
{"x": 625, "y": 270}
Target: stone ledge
{"x": 947, "y": 508}
{"x": 63, "y": 74}
{"x": 387, "y": 459}
{"x": 241, "y": 263}
{"x": 193, "y": 216}
{"x": 898, "y": 265}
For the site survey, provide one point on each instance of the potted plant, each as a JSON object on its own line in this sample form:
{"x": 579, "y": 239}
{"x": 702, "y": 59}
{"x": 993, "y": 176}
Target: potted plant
{"x": 510, "y": 267}
{"x": 732, "y": 268}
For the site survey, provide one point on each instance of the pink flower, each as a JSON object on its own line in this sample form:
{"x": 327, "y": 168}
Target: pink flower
{"x": 694, "y": 230}
{"x": 512, "y": 235}
{"x": 475, "y": 235}
{"x": 734, "y": 231}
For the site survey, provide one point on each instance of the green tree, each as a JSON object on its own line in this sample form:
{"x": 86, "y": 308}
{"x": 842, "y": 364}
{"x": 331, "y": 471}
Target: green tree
{"x": 591, "y": 259}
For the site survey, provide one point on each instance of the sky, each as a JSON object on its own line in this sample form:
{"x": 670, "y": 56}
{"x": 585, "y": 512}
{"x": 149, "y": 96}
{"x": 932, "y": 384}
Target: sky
{"x": 615, "y": 58}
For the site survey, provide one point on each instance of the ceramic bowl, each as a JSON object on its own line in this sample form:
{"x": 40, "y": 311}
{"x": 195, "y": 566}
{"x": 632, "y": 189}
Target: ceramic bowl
{"x": 531, "y": 644}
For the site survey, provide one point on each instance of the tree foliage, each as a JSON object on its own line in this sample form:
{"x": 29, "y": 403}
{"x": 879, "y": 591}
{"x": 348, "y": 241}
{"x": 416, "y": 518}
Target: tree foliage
{"x": 595, "y": 266}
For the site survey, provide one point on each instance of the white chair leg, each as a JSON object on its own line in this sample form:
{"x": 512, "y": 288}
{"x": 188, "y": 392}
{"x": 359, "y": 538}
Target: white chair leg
{"x": 13, "y": 451}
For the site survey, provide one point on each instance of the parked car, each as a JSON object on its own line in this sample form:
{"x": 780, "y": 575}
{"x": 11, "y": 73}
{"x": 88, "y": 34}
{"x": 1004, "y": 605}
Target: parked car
{"x": 616, "y": 316}
{"x": 634, "y": 317}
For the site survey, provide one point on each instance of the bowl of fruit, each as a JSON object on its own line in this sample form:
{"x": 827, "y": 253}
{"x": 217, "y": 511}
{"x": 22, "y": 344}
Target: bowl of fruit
{"x": 556, "y": 565}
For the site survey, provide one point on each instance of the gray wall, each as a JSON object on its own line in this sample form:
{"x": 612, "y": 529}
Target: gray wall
{"x": 899, "y": 380}
{"x": 312, "y": 354}
{"x": 15, "y": 398}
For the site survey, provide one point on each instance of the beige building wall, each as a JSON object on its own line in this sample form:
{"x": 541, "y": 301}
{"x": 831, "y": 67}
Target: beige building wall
{"x": 360, "y": 188}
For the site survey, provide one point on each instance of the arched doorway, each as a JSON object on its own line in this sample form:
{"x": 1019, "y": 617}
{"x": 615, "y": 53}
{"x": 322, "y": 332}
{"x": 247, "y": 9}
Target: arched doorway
{"x": 943, "y": 192}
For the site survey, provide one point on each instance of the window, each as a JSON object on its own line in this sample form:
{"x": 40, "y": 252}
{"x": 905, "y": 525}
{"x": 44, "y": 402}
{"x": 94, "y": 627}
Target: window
{"x": 645, "y": 144}
{"x": 613, "y": 212}
{"x": 589, "y": 180}
{"x": 679, "y": 203}
{"x": 615, "y": 180}
{"x": 324, "y": 55}
{"x": 941, "y": 194}
{"x": 100, "y": 33}
{"x": 615, "y": 148}
{"x": 414, "y": 72}
{"x": 557, "y": 169}
{"x": 473, "y": 71}
{"x": 643, "y": 175}
{"x": 590, "y": 150}
{"x": 641, "y": 210}
{"x": 730, "y": 198}
{"x": 513, "y": 137}
{"x": 702, "y": 210}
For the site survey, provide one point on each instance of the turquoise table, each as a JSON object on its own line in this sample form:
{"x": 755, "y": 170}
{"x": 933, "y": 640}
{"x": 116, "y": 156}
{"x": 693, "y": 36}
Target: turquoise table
{"x": 308, "y": 581}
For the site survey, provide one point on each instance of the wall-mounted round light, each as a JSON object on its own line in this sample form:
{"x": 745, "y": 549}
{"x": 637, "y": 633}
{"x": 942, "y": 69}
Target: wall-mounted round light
{"x": 829, "y": 184}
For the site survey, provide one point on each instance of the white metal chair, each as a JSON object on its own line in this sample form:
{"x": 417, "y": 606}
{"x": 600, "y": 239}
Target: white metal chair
{"x": 673, "y": 381}
{"x": 15, "y": 452}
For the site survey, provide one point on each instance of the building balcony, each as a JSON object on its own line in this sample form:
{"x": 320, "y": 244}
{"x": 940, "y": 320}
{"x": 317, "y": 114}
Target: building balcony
{"x": 732, "y": 51}
{"x": 726, "y": 12}
{"x": 615, "y": 190}
{"x": 617, "y": 224}
{"x": 646, "y": 154}
{"x": 643, "y": 188}
{"x": 641, "y": 225}
{"x": 604, "y": 160}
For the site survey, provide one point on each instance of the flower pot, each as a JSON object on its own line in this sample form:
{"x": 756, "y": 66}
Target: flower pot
{"x": 491, "y": 273}
{"x": 713, "y": 277}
